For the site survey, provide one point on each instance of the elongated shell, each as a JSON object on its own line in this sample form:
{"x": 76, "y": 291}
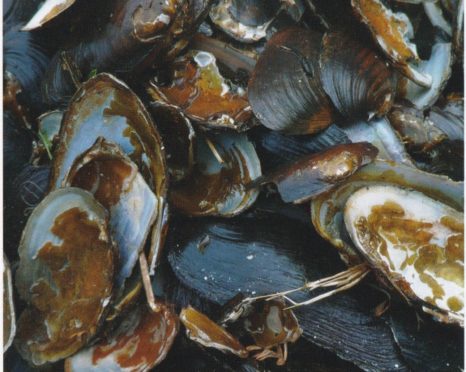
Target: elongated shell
{"x": 415, "y": 241}
{"x": 315, "y": 174}
{"x": 9, "y": 317}
{"x": 225, "y": 164}
{"x": 48, "y": 11}
{"x": 106, "y": 107}
{"x": 141, "y": 341}
{"x": 359, "y": 83}
{"x": 327, "y": 209}
{"x": 116, "y": 183}
{"x": 201, "y": 329}
{"x": 285, "y": 91}
{"x": 65, "y": 275}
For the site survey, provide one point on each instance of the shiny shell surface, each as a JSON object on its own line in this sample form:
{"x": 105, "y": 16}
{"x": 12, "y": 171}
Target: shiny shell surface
{"x": 417, "y": 242}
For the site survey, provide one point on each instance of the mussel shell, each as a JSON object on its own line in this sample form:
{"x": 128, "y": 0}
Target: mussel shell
{"x": 449, "y": 117}
{"x": 106, "y": 107}
{"x": 219, "y": 188}
{"x": 358, "y": 81}
{"x": 204, "y": 331}
{"x": 47, "y": 12}
{"x": 327, "y": 209}
{"x": 178, "y": 137}
{"x": 116, "y": 183}
{"x": 141, "y": 341}
{"x": 259, "y": 254}
{"x": 285, "y": 91}
{"x": 414, "y": 242}
{"x": 9, "y": 317}
{"x": 439, "y": 67}
{"x": 137, "y": 33}
{"x": 312, "y": 175}
{"x": 65, "y": 275}
{"x": 244, "y": 20}
{"x": 26, "y": 59}
{"x": 202, "y": 93}
{"x": 276, "y": 149}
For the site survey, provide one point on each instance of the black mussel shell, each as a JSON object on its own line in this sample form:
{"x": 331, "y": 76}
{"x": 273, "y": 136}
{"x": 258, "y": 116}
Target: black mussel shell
{"x": 359, "y": 83}
{"x": 24, "y": 60}
{"x": 262, "y": 253}
{"x": 285, "y": 91}
{"x": 253, "y": 12}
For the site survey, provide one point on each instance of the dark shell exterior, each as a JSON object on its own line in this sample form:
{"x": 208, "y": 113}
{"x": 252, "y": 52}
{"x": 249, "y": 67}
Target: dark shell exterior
{"x": 285, "y": 91}
{"x": 359, "y": 83}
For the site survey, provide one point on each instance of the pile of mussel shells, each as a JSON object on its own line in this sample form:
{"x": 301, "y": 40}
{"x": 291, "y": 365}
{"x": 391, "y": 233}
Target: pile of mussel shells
{"x": 233, "y": 185}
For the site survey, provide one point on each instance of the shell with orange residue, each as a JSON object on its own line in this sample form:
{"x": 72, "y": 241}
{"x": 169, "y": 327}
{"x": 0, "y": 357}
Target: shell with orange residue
{"x": 141, "y": 342}
{"x": 65, "y": 274}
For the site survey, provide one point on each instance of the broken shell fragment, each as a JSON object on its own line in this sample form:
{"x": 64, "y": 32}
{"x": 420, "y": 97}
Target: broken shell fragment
{"x": 245, "y": 20}
{"x": 141, "y": 341}
{"x": 9, "y": 317}
{"x": 317, "y": 173}
{"x": 201, "y": 329}
{"x": 198, "y": 88}
{"x": 392, "y": 32}
{"x": 416, "y": 242}
{"x": 116, "y": 183}
{"x": 358, "y": 81}
{"x": 439, "y": 67}
{"x": 225, "y": 164}
{"x": 285, "y": 91}
{"x": 327, "y": 209}
{"x": 49, "y": 10}
{"x": 105, "y": 107}
{"x": 65, "y": 275}
{"x": 270, "y": 324}
{"x": 178, "y": 137}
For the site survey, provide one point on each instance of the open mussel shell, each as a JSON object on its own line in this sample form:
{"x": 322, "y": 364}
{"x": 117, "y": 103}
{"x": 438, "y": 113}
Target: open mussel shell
{"x": 392, "y": 31}
{"x": 416, "y": 243}
{"x": 439, "y": 67}
{"x": 449, "y": 117}
{"x": 359, "y": 83}
{"x": 380, "y": 134}
{"x": 285, "y": 91}
{"x": 49, "y": 125}
{"x": 65, "y": 274}
{"x": 327, "y": 209}
{"x": 48, "y": 11}
{"x": 263, "y": 253}
{"x": 417, "y": 132}
{"x": 199, "y": 89}
{"x": 204, "y": 331}
{"x": 9, "y": 317}
{"x": 226, "y": 163}
{"x": 245, "y": 20}
{"x": 140, "y": 342}
{"x": 116, "y": 183}
{"x": 105, "y": 107}
{"x": 317, "y": 173}
{"x": 178, "y": 137}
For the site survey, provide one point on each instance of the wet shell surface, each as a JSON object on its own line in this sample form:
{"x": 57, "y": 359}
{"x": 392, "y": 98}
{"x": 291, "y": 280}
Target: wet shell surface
{"x": 65, "y": 275}
{"x": 225, "y": 164}
{"x": 358, "y": 81}
{"x": 141, "y": 341}
{"x": 9, "y": 317}
{"x": 203, "y": 94}
{"x": 201, "y": 329}
{"x": 285, "y": 91}
{"x": 116, "y": 183}
{"x": 415, "y": 241}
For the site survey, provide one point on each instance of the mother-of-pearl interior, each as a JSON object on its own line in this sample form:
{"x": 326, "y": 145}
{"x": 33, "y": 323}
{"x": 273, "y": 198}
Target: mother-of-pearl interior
{"x": 411, "y": 237}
